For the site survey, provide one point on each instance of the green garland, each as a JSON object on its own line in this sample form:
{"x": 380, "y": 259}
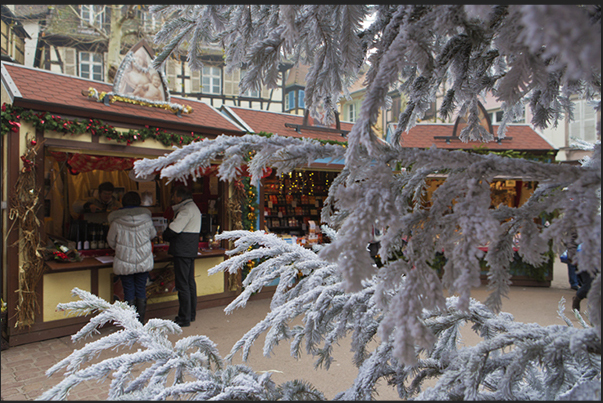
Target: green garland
{"x": 341, "y": 143}
{"x": 549, "y": 156}
{"x": 250, "y": 207}
{"x": 11, "y": 116}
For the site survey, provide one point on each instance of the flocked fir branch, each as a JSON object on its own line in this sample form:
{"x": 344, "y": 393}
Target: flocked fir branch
{"x": 457, "y": 222}
{"x": 525, "y": 55}
{"x": 518, "y": 53}
{"x": 513, "y": 361}
{"x": 12, "y": 115}
{"x": 192, "y": 363}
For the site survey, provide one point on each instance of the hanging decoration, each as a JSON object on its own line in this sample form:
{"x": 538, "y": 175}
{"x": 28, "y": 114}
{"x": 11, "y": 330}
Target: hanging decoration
{"x": 242, "y": 209}
{"x": 111, "y": 97}
{"x": 25, "y": 202}
{"x": 137, "y": 82}
{"x": 11, "y": 116}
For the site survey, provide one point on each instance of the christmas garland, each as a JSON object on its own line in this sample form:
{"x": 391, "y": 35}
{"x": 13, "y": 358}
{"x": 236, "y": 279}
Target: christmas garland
{"x": 321, "y": 141}
{"x": 250, "y": 206}
{"x": 11, "y": 116}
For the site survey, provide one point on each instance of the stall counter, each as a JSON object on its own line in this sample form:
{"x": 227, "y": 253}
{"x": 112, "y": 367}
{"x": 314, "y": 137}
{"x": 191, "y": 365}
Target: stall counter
{"x": 94, "y": 276}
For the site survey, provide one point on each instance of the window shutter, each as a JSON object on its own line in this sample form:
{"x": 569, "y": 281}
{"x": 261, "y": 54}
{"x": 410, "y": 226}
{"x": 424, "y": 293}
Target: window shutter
{"x": 171, "y": 75}
{"x": 231, "y": 82}
{"x": 589, "y": 122}
{"x": 195, "y": 81}
{"x": 265, "y": 92}
{"x": 69, "y": 61}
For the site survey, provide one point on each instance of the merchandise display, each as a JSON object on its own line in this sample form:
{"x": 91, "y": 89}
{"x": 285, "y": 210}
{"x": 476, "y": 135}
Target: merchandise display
{"x": 293, "y": 202}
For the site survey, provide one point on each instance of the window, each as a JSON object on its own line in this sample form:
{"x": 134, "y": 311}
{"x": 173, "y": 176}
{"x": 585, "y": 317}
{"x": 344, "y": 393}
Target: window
{"x": 150, "y": 23}
{"x": 351, "y": 112}
{"x": 171, "y": 75}
{"x": 92, "y": 14}
{"x": 290, "y": 100}
{"x": 91, "y": 66}
{"x": 300, "y": 101}
{"x": 583, "y": 126}
{"x": 249, "y": 93}
{"x": 497, "y": 116}
{"x": 211, "y": 80}
{"x": 231, "y": 84}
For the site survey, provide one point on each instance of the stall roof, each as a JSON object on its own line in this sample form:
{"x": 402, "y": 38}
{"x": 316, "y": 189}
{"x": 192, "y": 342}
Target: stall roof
{"x": 59, "y": 93}
{"x": 518, "y": 138}
{"x": 256, "y": 121}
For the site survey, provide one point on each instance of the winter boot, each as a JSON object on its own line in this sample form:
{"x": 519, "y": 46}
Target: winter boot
{"x": 576, "y": 303}
{"x": 141, "y": 307}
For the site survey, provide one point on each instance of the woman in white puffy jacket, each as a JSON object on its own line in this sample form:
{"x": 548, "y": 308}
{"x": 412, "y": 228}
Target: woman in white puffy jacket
{"x": 130, "y": 233}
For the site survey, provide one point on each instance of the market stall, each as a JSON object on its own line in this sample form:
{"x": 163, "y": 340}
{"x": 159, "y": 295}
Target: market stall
{"x": 290, "y": 204}
{"x": 65, "y": 137}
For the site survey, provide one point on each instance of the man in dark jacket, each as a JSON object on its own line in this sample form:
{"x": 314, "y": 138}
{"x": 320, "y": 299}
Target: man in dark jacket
{"x": 183, "y": 235}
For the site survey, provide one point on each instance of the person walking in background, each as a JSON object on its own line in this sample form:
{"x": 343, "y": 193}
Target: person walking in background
{"x": 183, "y": 235}
{"x": 585, "y": 281}
{"x": 130, "y": 233}
{"x": 572, "y": 247}
{"x": 96, "y": 209}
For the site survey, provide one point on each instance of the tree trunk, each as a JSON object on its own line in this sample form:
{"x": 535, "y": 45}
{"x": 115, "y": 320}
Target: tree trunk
{"x": 114, "y": 45}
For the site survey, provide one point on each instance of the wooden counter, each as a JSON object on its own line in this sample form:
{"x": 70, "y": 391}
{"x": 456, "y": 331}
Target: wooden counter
{"x": 93, "y": 263}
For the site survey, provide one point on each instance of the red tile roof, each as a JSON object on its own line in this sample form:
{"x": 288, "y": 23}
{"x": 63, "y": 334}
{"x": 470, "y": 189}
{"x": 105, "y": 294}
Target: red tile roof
{"x": 518, "y": 138}
{"x": 54, "y": 92}
{"x": 274, "y": 122}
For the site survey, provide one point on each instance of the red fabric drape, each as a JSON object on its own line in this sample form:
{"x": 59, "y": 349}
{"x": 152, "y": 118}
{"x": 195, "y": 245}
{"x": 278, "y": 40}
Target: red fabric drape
{"x": 84, "y": 163}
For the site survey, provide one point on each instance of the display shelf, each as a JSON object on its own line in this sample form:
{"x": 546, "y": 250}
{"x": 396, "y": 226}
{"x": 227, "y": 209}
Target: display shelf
{"x": 295, "y": 198}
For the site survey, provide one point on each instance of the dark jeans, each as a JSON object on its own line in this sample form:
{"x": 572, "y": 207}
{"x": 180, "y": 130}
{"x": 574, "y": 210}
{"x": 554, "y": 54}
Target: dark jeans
{"x": 585, "y": 287}
{"x": 134, "y": 285}
{"x": 184, "y": 271}
{"x": 573, "y": 277}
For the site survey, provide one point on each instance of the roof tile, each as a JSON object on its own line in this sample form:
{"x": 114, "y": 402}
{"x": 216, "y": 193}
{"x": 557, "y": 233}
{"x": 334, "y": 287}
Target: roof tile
{"x": 518, "y": 138}
{"x": 274, "y": 122}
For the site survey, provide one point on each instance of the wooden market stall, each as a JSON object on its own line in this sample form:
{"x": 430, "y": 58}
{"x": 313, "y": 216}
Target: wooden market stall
{"x": 290, "y": 204}
{"x": 66, "y": 136}
{"x": 512, "y": 190}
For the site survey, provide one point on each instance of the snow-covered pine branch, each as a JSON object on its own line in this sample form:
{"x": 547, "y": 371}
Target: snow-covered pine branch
{"x": 282, "y": 153}
{"x": 521, "y": 53}
{"x": 378, "y": 195}
{"x": 199, "y": 373}
{"x": 513, "y": 361}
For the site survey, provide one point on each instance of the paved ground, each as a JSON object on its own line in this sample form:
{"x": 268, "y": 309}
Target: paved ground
{"x": 23, "y": 367}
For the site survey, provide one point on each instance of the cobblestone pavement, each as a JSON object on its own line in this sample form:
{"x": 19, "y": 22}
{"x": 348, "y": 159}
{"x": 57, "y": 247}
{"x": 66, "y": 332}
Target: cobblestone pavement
{"x": 24, "y": 367}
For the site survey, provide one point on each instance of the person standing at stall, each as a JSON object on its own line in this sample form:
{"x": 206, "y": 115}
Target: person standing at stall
{"x": 183, "y": 235}
{"x": 96, "y": 209}
{"x": 130, "y": 233}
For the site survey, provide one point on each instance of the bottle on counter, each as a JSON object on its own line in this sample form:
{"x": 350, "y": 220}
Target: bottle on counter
{"x": 78, "y": 239}
{"x": 93, "y": 242}
{"x": 86, "y": 242}
{"x": 101, "y": 237}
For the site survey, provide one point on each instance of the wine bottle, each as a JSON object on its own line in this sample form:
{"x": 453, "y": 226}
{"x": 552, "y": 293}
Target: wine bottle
{"x": 86, "y": 242}
{"x": 101, "y": 238}
{"x": 78, "y": 239}
{"x": 93, "y": 242}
